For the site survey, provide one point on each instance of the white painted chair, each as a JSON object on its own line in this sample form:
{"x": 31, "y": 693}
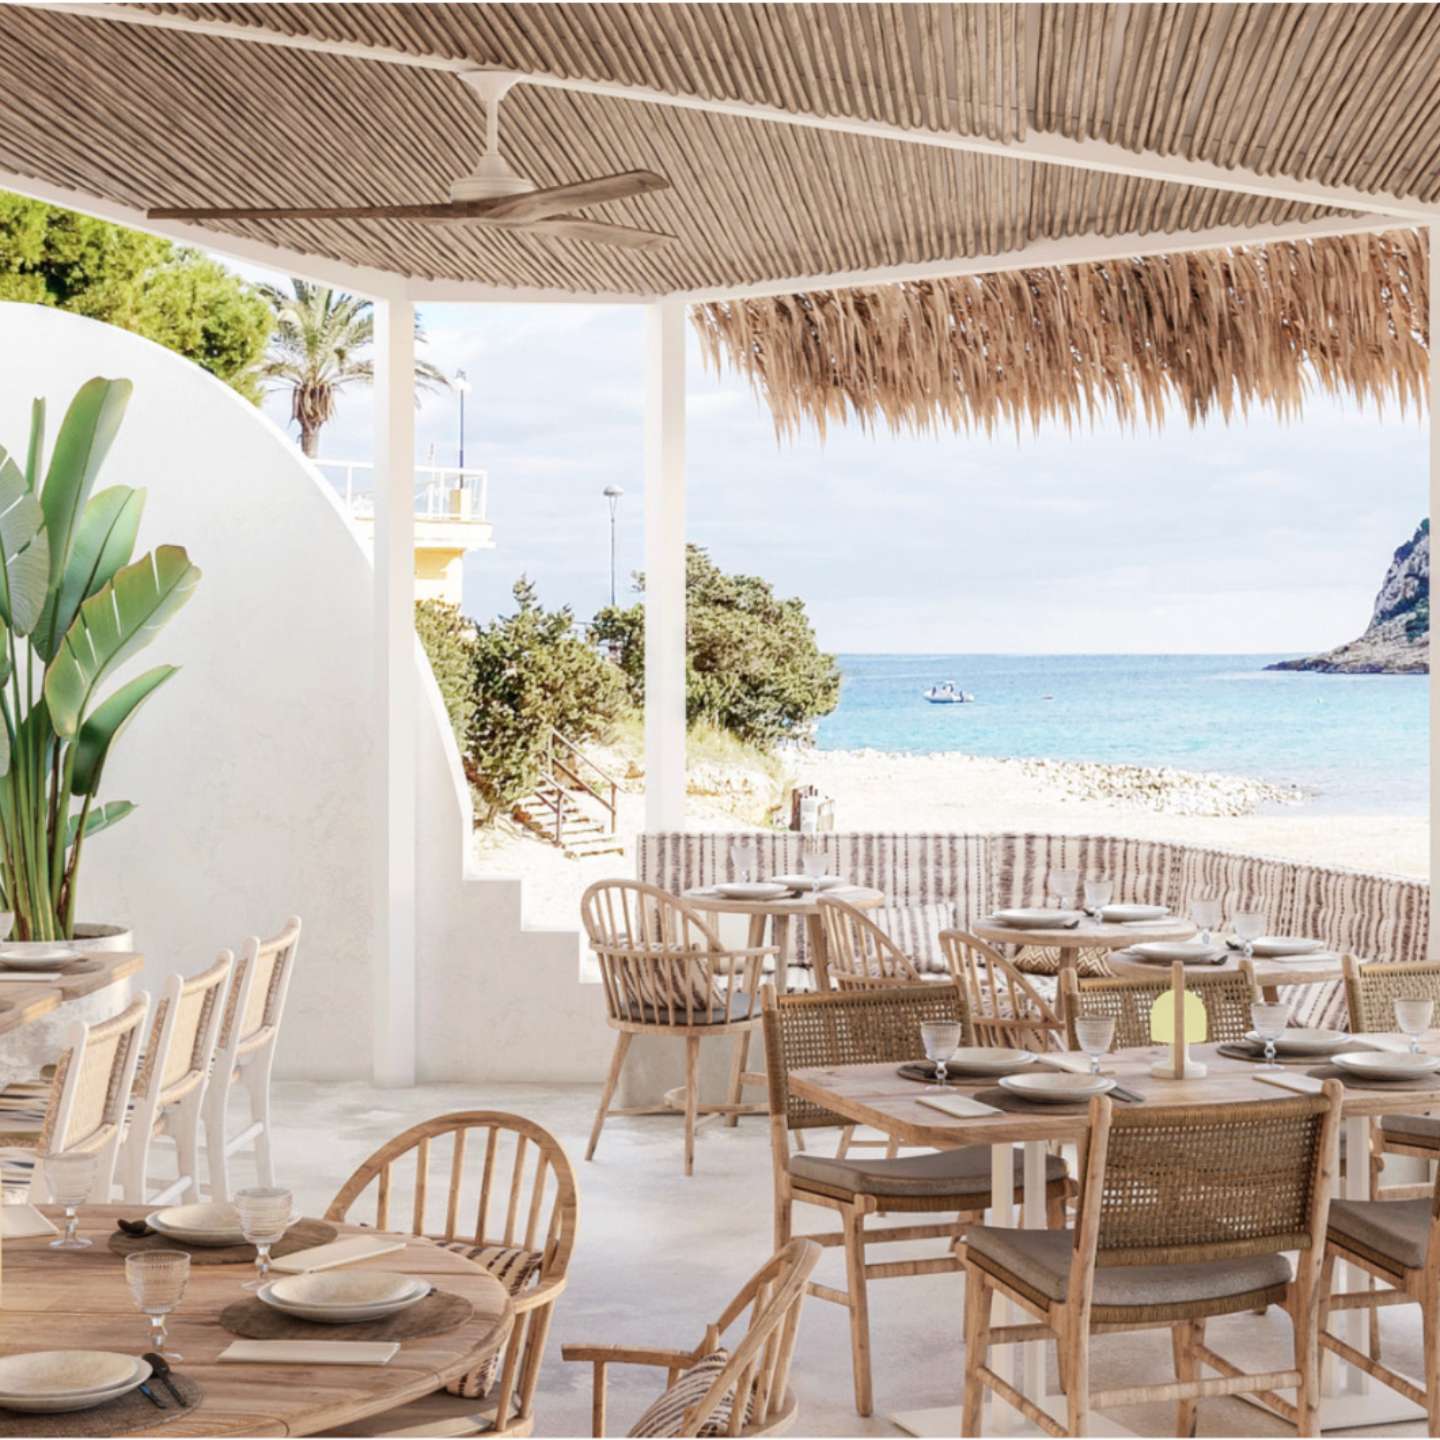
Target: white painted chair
{"x": 246, "y": 1054}
{"x": 87, "y": 1103}
{"x": 170, "y": 1086}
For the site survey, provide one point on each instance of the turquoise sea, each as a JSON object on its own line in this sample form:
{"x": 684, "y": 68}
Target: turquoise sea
{"x": 1359, "y": 742}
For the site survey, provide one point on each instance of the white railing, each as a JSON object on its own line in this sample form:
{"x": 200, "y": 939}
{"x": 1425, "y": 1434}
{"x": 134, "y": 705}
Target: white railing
{"x": 442, "y": 492}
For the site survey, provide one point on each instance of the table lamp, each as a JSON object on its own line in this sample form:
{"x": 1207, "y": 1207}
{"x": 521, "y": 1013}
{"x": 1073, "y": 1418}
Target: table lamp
{"x": 1178, "y": 1019}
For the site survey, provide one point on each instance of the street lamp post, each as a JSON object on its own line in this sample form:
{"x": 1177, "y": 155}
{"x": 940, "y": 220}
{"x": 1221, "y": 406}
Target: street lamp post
{"x": 462, "y": 385}
{"x": 612, "y": 494}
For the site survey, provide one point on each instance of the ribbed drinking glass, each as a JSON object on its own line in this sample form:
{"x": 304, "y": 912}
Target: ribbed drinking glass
{"x": 265, "y": 1215}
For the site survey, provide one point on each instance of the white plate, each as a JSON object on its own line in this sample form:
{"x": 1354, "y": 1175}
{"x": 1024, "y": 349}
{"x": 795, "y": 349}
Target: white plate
{"x": 1299, "y": 1041}
{"x": 35, "y": 955}
{"x": 751, "y": 890}
{"x": 1191, "y": 952}
{"x": 1054, "y": 1086}
{"x": 1374, "y": 1066}
{"x": 1277, "y": 947}
{"x": 1123, "y": 914}
{"x": 804, "y": 882}
{"x": 986, "y": 1060}
{"x": 344, "y": 1288}
{"x": 339, "y": 1312}
{"x": 199, "y": 1224}
{"x": 1037, "y": 919}
{"x": 53, "y": 1381}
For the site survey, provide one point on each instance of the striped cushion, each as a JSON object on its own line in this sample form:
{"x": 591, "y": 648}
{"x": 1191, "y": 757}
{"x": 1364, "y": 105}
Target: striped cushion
{"x": 514, "y": 1269}
{"x": 916, "y": 930}
{"x": 667, "y": 1414}
{"x": 1037, "y": 960}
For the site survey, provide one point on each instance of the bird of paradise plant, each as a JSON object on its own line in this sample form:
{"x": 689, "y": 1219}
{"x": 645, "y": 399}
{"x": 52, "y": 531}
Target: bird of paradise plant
{"x": 74, "y": 607}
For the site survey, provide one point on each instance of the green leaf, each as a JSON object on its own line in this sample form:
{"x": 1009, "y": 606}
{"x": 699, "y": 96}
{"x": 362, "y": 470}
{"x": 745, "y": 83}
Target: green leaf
{"x": 102, "y": 728}
{"x": 101, "y": 817}
{"x": 104, "y": 541}
{"x": 112, "y": 626}
{"x": 85, "y": 437}
{"x": 24, "y": 552}
{"x": 36, "y": 454}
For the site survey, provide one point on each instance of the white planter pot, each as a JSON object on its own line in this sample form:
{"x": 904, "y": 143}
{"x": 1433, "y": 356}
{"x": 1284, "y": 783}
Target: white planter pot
{"x": 26, "y": 1051}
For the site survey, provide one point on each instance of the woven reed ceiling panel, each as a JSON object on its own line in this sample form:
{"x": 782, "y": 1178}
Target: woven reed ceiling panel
{"x": 146, "y": 117}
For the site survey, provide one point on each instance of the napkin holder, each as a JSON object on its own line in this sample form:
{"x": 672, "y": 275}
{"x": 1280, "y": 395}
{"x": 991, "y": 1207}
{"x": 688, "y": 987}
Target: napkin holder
{"x": 1178, "y": 1019}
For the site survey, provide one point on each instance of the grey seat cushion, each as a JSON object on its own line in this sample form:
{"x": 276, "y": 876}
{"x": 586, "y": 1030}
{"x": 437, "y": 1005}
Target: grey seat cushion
{"x": 1416, "y": 1129}
{"x": 742, "y": 1007}
{"x": 946, "y": 1172}
{"x": 1040, "y": 1259}
{"x": 1396, "y": 1229}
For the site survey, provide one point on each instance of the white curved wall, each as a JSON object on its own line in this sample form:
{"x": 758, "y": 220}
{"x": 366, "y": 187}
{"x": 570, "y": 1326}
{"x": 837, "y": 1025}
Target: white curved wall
{"x": 252, "y": 769}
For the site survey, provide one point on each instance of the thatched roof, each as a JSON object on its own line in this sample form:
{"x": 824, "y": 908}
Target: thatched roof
{"x": 1201, "y": 333}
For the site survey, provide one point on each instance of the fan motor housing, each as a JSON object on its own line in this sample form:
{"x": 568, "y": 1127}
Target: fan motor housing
{"x": 491, "y": 178}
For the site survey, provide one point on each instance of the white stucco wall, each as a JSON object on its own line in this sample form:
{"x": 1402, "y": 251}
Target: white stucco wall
{"x": 250, "y": 768}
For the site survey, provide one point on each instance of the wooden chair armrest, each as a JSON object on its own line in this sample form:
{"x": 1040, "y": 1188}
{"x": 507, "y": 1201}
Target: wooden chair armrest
{"x": 542, "y": 1294}
{"x": 755, "y": 950}
{"x": 628, "y": 1355}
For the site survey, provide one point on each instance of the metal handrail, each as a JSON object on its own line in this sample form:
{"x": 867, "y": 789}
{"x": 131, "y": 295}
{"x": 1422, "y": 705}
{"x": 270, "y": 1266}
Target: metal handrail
{"x": 556, "y": 768}
{"x": 471, "y": 487}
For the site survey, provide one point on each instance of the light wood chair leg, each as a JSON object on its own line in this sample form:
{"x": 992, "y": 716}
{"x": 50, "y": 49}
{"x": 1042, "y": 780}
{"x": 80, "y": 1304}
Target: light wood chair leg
{"x": 1184, "y": 1338}
{"x": 854, "y": 1221}
{"x": 1430, "y": 1340}
{"x": 1307, "y": 1359}
{"x": 692, "y": 1097}
{"x": 737, "y": 1071}
{"x": 1077, "y": 1374}
{"x": 977, "y": 1345}
{"x": 617, "y": 1063}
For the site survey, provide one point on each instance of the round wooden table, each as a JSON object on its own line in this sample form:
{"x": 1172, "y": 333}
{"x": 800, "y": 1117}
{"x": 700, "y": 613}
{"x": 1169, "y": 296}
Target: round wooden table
{"x": 782, "y": 911}
{"x": 1320, "y": 968}
{"x": 1087, "y": 935}
{"x": 78, "y": 1300}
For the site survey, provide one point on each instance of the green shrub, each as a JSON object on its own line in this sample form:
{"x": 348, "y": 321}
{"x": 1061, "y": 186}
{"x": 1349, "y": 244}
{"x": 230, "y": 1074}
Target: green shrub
{"x": 449, "y": 641}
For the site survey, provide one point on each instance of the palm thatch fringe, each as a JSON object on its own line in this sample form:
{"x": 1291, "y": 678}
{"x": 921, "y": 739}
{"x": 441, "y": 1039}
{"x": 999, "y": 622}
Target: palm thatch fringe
{"x": 1207, "y": 332}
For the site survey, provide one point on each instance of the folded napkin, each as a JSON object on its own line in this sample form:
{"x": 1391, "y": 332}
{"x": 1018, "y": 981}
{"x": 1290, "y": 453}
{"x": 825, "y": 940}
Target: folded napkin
{"x": 1390, "y": 1044}
{"x": 32, "y": 977}
{"x": 1075, "y": 1064}
{"x": 19, "y": 1222}
{"x": 337, "y": 1252}
{"x": 959, "y": 1107}
{"x": 1301, "y": 1084}
{"x": 312, "y": 1352}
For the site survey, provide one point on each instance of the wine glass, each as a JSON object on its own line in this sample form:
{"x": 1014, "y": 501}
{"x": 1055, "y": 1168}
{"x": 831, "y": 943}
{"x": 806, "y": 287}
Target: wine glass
{"x": 265, "y": 1215}
{"x": 1249, "y": 926}
{"x": 1205, "y": 912}
{"x": 1269, "y": 1022}
{"x": 743, "y": 854}
{"x": 941, "y": 1039}
{"x": 1414, "y": 1017}
{"x": 1061, "y": 884}
{"x": 70, "y": 1177}
{"x": 1098, "y": 894}
{"x": 814, "y": 861}
{"x": 157, "y": 1280}
{"x": 1096, "y": 1034}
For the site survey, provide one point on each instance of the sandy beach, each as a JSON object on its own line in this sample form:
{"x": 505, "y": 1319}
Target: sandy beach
{"x": 879, "y": 791}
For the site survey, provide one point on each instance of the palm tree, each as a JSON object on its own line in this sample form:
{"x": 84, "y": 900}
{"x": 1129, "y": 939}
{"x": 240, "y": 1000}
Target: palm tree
{"x": 319, "y": 347}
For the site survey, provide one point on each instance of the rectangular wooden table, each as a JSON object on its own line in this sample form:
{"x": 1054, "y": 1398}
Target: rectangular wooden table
{"x": 876, "y": 1095}
{"x": 22, "y": 1001}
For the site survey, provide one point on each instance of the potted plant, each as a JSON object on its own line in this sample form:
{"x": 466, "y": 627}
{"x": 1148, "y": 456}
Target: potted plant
{"x": 74, "y": 606}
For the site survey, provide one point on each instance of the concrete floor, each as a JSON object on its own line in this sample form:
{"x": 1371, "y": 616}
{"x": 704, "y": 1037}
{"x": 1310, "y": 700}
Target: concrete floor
{"x": 658, "y": 1256}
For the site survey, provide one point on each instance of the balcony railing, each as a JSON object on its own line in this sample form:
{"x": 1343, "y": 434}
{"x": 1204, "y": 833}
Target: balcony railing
{"x": 441, "y": 492}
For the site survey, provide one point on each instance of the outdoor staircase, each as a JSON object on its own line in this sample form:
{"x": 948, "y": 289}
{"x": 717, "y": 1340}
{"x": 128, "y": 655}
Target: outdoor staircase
{"x": 574, "y": 805}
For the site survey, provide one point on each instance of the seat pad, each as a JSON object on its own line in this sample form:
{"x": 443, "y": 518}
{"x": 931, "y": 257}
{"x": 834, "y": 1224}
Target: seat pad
{"x": 1415, "y": 1129}
{"x": 1040, "y": 1259}
{"x": 945, "y": 1172}
{"x": 1397, "y": 1229}
{"x": 742, "y": 1007}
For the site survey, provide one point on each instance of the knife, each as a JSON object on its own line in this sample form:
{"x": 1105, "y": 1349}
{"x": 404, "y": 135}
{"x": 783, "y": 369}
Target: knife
{"x": 1121, "y": 1093}
{"x": 150, "y": 1395}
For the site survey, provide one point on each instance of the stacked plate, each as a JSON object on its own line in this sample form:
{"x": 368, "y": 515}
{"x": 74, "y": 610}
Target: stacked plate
{"x": 1305, "y": 1042}
{"x": 35, "y": 955}
{"x": 54, "y": 1381}
{"x": 1188, "y": 952}
{"x": 1283, "y": 947}
{"x": 803, "y": 883}
{"x": 987, "y": 1060}
{"x": 1128, "y": 914}
{"x": 751, "y": 890}
{"x": 199, "y": 1224}
{"x": 1038, "y": 919}
{"x": 344, "y": 1297}
{"x": 1377, "y": 1065}
{"x": 1056, "y": 1087}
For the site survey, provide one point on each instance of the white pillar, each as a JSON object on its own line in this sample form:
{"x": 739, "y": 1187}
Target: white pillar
{"x": 397, "y": 694}
{"x": 665, "y": 567}
{"x": 1434, "y": 492}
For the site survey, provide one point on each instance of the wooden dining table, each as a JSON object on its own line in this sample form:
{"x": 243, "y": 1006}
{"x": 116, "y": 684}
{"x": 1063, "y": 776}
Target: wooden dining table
{"x": 23, "y": 1000}
{"x": 877, "y": 1095}
{"x": 73, "y": 1300}
{"x": 1088, "y": 934}
{"x": 1319, "y": 969}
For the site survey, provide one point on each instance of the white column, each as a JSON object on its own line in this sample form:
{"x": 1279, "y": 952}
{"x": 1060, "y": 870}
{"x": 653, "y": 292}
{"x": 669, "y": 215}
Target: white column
{"x": 665, "y": 567}
{"x": 397, "y": 694}
{"x": 1434, "y": 513}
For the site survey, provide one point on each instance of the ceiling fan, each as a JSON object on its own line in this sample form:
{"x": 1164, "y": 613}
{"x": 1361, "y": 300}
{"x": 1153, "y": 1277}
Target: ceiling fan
{"x": 492, "y": 194}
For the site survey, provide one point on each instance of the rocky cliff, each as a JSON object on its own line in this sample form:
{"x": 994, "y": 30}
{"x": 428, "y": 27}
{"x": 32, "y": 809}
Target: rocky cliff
{"x": 1397, "y": 640}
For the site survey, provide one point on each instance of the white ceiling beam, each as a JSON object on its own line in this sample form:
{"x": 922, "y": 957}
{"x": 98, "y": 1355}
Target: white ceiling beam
{"x": 1038, "y": 147}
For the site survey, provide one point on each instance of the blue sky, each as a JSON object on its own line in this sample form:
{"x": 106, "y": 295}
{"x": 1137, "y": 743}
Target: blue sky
{"x": 1254, "y": 537}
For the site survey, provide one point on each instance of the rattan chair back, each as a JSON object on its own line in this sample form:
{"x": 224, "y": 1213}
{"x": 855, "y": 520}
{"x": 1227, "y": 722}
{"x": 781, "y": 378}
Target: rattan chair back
{"x": 495, "y": 1183}
{"x": 859, "y": 955}
{"x": 1372, "y": 990}
{"x": 661, "y": 964}
{"x": 1227, "y": 999}
{"x": 183, "y": 1033}
{"x": 1004, "y": 1006}
{"x": 260, "y": 984}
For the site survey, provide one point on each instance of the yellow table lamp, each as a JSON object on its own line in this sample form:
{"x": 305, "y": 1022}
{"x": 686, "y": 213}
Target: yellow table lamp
{"x": 1193, "y": 1028}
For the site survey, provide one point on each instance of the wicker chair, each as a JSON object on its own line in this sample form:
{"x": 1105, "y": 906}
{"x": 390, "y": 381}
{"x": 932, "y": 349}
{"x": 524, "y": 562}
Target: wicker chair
{"x": 525, "y": 1206}
{"x": 1185, "y": 1216}
{"x": 1004, "y": 1006}
{"x": 1370, "y": 993}
{"x": 666, "y": 972}
{"x": 713, "y": 1391}
{"x": 1227, "y": 999}
{"x": 170, "y": 1087}
{"x": 857, "y": 1027}
{"x": 859, "y": 955}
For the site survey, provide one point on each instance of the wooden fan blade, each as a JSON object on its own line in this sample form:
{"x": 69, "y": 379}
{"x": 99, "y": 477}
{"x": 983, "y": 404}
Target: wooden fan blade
{"x": 556, "y": 199}
{"x": 441, "y": 210}
{"x": 595, "y": 232}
